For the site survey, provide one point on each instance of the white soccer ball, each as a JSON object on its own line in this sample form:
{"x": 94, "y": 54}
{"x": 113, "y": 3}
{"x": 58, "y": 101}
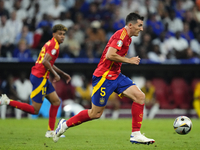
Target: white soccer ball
{"x": 182, "y": 125}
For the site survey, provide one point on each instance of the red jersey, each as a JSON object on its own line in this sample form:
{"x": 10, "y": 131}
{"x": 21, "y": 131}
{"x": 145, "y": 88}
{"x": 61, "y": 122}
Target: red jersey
{"x": 51, "y": 47}
{"x": 111, "y": 69}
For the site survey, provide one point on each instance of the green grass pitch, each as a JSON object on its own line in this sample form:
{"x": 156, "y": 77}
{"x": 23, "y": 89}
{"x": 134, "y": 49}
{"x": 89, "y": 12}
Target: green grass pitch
{"x": 28, "y": 134}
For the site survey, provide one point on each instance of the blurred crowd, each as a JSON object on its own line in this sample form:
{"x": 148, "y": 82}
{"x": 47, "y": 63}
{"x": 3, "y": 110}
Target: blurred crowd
{"x": 171, "y": 27}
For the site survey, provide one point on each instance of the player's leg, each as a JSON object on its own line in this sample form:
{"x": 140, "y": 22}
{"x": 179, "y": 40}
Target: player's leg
{"x": 100, "y": 95}
{"x": 31, "y": 109}
{"x": 85, "y": 115}
{"x": 55, "y": 104}
{"x": 53, "y": 98}
{"x": 138, "y": 97}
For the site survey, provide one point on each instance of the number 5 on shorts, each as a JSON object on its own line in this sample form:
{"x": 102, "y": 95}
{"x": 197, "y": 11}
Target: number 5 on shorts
{"x": 103, "y": 93}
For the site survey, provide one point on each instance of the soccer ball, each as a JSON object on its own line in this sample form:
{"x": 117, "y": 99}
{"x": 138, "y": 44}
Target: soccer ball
{"x": 182, "y": 125}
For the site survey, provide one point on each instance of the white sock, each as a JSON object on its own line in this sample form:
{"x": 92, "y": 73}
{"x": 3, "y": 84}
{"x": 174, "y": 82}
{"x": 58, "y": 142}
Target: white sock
{"x": 65, "y": 125}
{"x": 135, "y": 133}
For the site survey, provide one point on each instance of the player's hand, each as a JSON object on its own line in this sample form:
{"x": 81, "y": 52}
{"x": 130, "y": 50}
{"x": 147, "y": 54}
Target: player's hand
{"x": 66, "y": 77}
{"x": 134, "y": 60}
{"x": 56, "y": 78}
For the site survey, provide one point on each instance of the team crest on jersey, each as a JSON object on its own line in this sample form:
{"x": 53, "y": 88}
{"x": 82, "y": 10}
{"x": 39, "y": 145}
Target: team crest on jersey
{"x": 53, "y": 51}
{"x": 119, "y": 43}
{"x": 102, "y": 101}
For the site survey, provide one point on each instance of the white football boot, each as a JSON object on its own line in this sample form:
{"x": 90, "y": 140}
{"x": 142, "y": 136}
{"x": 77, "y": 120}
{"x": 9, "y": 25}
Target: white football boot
{"x": 49, "y": 134}
{"x": 138, "y": 138}
{"x": 61, "y": 128}
{"x": 4, "y": 100}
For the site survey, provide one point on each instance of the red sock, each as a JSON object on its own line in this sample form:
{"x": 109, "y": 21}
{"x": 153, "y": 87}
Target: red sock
{"x": 23, "y": 106}
{"x": 78, "y": 119}
{"x": 137, "y": 116}
{"x": 52, "y": 116}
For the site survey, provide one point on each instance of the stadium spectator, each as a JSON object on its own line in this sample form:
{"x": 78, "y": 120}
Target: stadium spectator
{"x": 161, "y": 10}
{"x": 55, "y": 9}
{"x": 8, "y": 88}
{"x": 46, "y": 21}
{"x": 187, "y": 33}
{"x": 14, "y": 25}
{"x": 81, "y": 21}
{"x": 174, "y": 24}
{"x": 76, "y": 10}
{"x": 34, "y": 16}
{"x": 71, "y": 47}
{"x": 177, "y": 47}
{"x": 93, "y": 13}
{"x": 23, "y": 89}
{"x": 156, "y": 25}
{"x": 189, "y": 18}
{"x": 46, "y": 33}
{"x": 128, "y": 6}
{"x": 151, "y": 104}
{"x": 67, "y": 4}
{"x": 3, "y": 10}
{"x": 118, "y": 22}
{"x": 79, "y": 35}
{"x": 25, "y": 34}
{"x": 195, "y": 45}
{"x": 154, "y": 54}
{"x": 196, "y": 99}
{"x": 108, "y": 17}
{"x": 6, "y": 38}
{"x": 180, "y": 12}
{"x": 65, "y": 19}
{"x": 20, "y": 11}
{"x": 190, "y": 54}
{"x": 187, "y": 5}
{"x": 21, "y": 51}
{"x": 196, "y": 12}
{"x": 147, "y": 7}
{"x": 44, "y": 4}
{"x": 163, "y": 44}
{"x": 97, "y": 37}
{"x": 145, "y": 46}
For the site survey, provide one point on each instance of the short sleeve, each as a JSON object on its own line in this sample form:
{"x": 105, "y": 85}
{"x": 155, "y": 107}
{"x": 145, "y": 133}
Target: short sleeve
{"x": 117, "y": 43}
{"x": 51, "y": 50}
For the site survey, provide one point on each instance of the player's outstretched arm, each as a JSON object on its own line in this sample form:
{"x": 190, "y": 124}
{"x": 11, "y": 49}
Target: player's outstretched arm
{"x": 47, "y": 65}
{"x": 64, "y": 75}
{"x": 113, "y": 56}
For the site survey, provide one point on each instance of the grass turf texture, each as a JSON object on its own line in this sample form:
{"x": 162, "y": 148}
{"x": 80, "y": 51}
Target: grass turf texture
{"x": 26, "y": 134}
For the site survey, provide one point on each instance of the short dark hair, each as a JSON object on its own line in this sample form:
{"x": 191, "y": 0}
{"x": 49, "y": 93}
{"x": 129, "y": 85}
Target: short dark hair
{"x": 58, "y": 27}
{"x": 133, "y": 17}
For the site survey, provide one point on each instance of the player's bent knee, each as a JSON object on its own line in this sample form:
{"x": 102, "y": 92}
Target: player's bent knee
{"x": 140, "y": 98}
{"x": 95, "y": 115}
{"x": 56, "y": 102}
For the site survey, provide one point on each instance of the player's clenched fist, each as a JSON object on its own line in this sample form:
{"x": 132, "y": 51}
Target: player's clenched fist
{"x": 134, "y": 60}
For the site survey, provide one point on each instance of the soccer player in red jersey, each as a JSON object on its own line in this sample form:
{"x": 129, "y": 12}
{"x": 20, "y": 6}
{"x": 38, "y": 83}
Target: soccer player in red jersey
{"x": 107, "y": 78}
{"x": 42, "y": 87}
